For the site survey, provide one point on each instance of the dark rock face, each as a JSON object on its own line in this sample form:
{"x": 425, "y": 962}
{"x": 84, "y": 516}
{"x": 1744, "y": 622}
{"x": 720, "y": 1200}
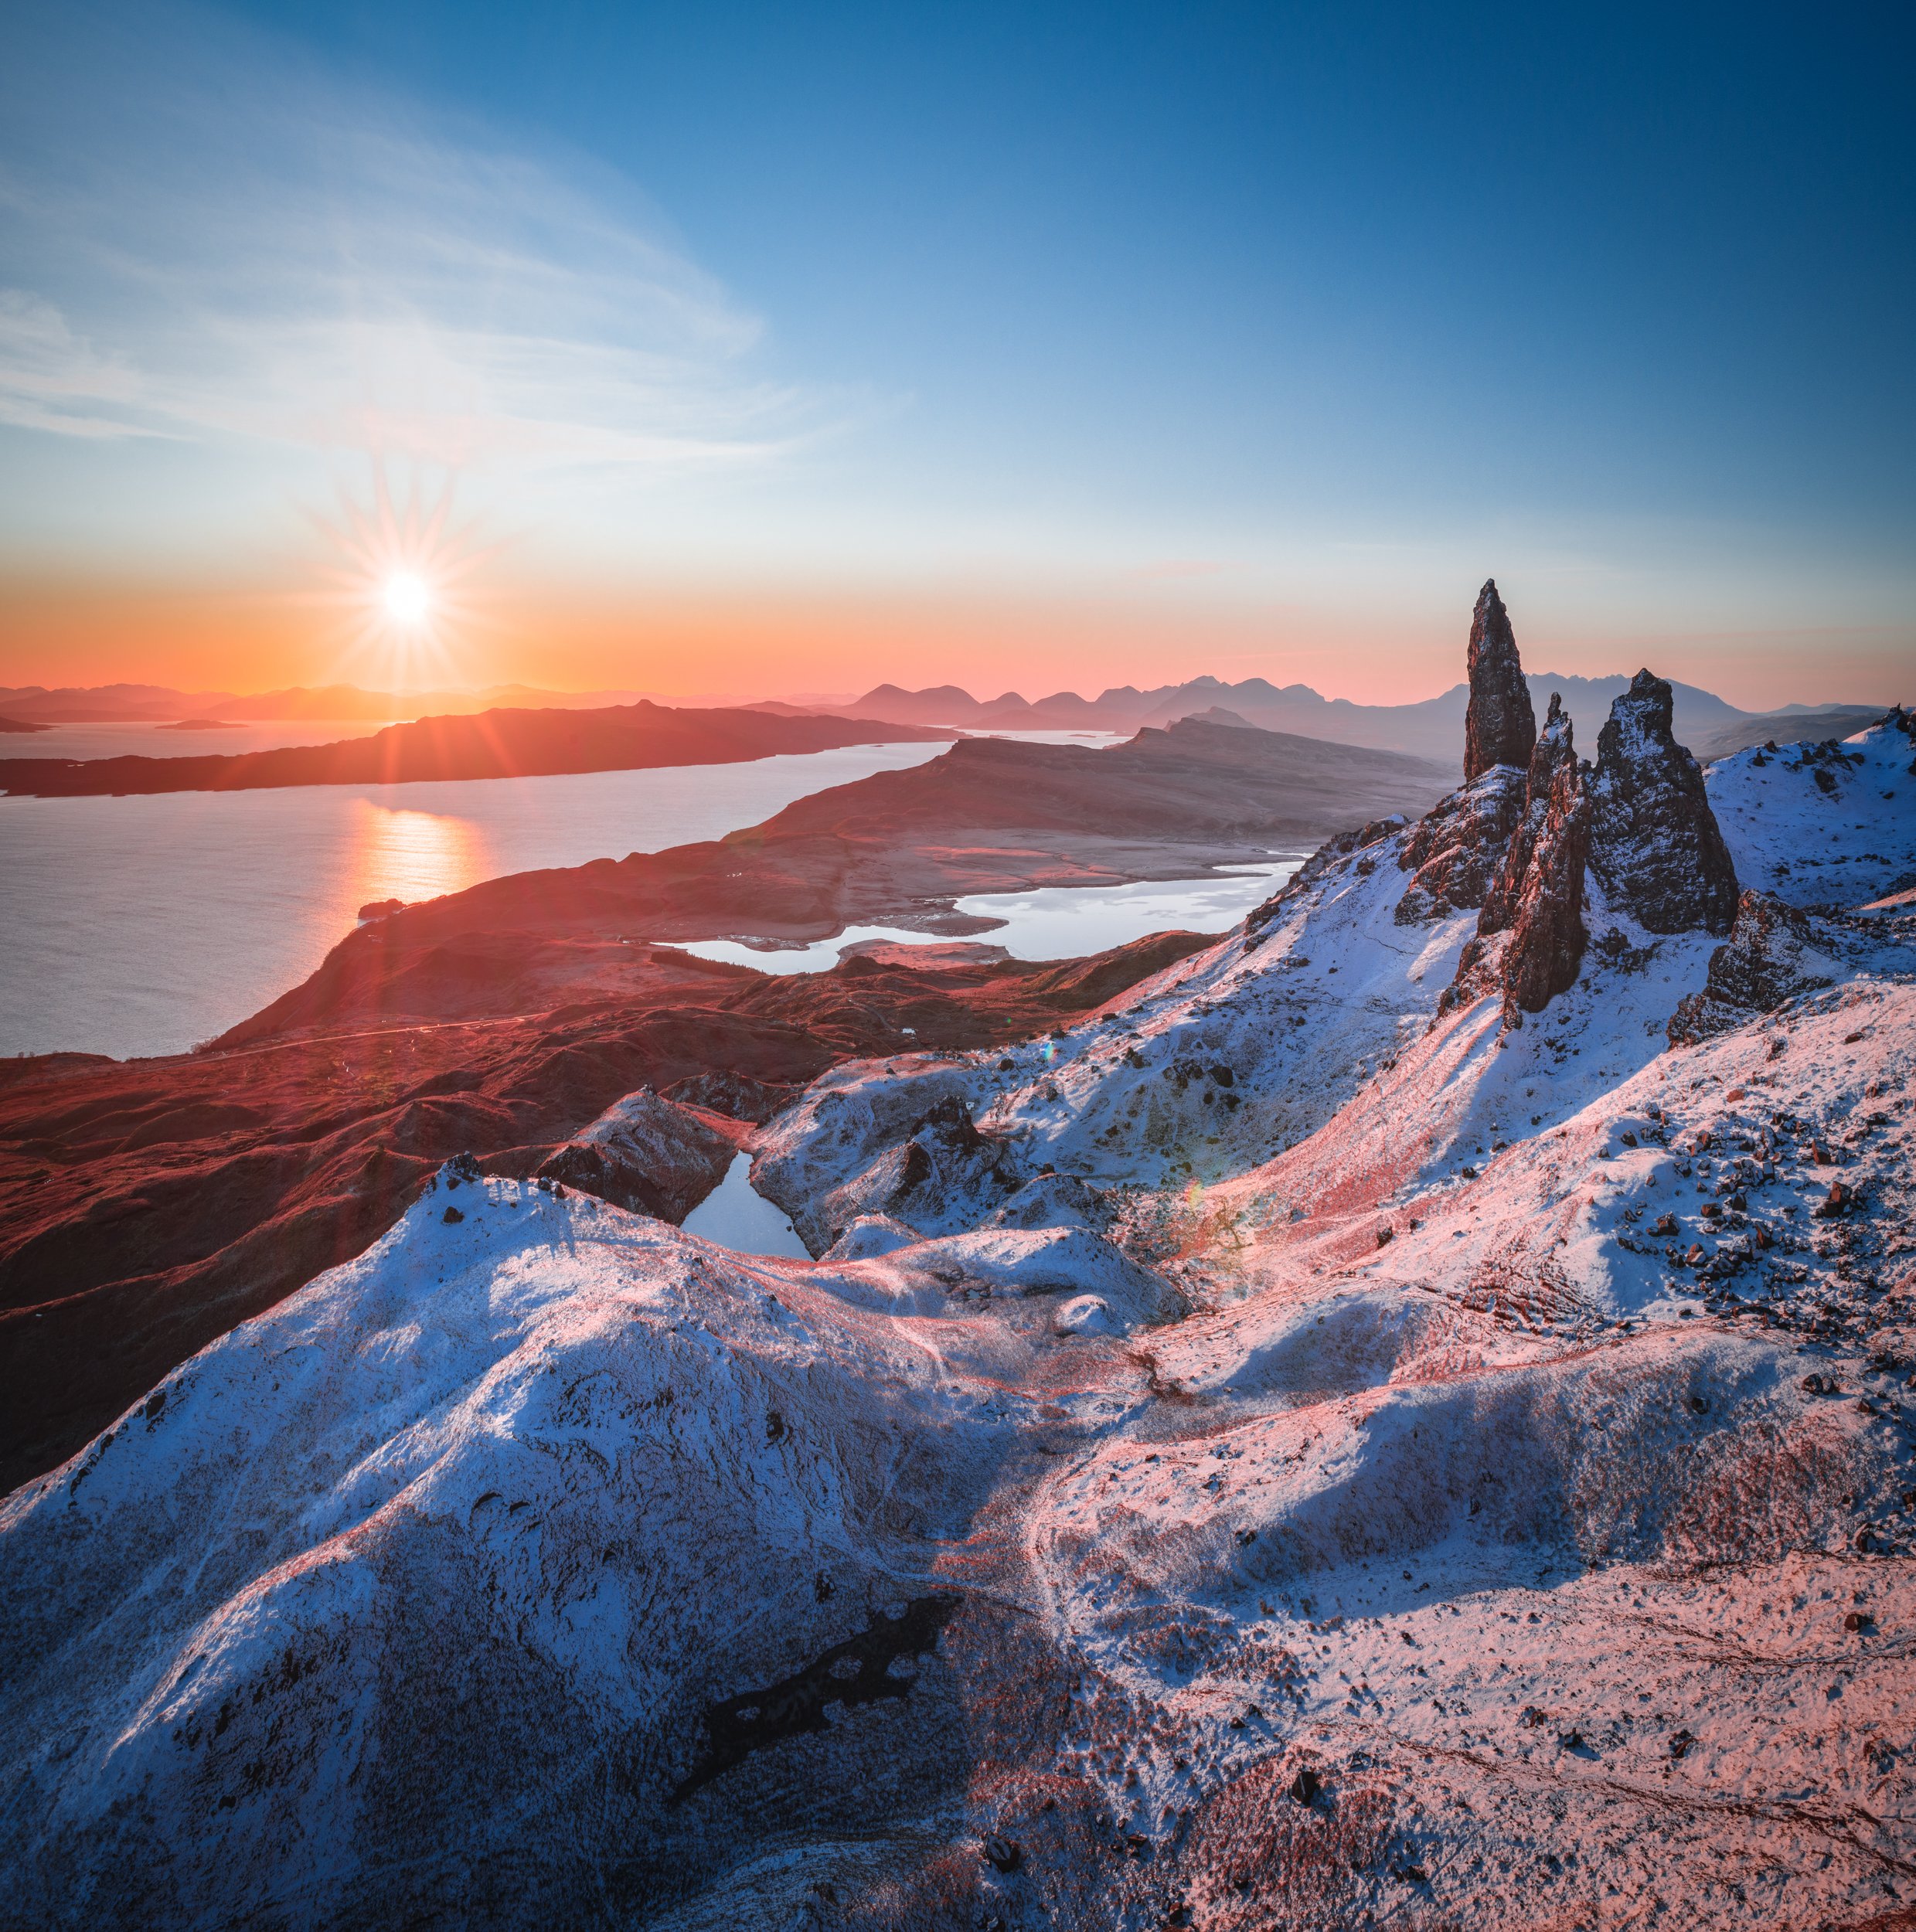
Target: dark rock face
{"x": 1537, "y": 896}
{"x": 1655, "y": 845}
{"x": 1547, "y": 934}
{"x": 649, "y": 1155}
{"x": 1459, "y": 846}
{"x": 1555, "y": 752}
{"x": 1769, "y": 959}
{"x": 1500, "y": 725}
{"x": 945, "y": 1175}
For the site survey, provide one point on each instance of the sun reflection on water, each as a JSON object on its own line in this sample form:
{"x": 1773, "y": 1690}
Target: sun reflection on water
{"x": 410, "y": 855}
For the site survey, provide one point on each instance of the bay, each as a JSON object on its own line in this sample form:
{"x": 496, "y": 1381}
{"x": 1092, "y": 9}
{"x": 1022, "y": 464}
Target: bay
{"x": 141, "y": 926}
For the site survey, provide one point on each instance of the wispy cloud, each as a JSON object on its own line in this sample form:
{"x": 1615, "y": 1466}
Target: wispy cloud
{"x": 52, "y": 379}
{"x": 241, "y": 248}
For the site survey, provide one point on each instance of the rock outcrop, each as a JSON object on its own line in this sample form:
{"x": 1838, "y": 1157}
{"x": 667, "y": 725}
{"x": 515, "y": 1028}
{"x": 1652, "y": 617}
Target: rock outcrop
{"x": 944, "y": 1176}
{"x": 1655, "y": 844}
{"x": 1500, "y": 724}
{"x": 650, "y": 1155}
{"x": 1538, "y": 894}
{"x": 1769, "y": 958}
{"x": 1459, "y": 846}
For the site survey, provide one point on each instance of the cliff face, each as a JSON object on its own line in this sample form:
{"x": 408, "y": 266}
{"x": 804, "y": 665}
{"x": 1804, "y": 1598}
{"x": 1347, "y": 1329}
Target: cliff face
{"x": 1639, "y": 818}
{"x": 1459, "y": 846}
{"x": 1500, "y": 724}
{"x": 1655, "y": 844}
{"x": 1538, "y": 894}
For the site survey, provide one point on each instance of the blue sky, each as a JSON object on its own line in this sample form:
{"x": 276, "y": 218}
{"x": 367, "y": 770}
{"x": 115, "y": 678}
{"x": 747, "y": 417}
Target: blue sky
{"x": 1240, "y": 338}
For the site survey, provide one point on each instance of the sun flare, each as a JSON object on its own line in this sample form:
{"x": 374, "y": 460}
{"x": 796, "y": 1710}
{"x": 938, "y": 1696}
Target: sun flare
{"x": 400, "y": 578}
{"x": 408, "y": 597}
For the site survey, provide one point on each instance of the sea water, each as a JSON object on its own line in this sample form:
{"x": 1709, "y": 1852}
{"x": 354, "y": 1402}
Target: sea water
{"x": 142, "y": 925}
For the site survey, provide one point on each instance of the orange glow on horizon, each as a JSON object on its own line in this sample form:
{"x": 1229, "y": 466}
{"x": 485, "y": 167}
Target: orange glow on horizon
{"x": 690, "y": 641}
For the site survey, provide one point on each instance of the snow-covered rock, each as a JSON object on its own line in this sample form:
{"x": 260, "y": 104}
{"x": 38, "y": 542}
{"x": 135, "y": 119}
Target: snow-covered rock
{"x": 653, "y": 1155}
{"x": 1290, "y": 1449}
{"x": 1654, "y": 843}
{"x": 1823, "y": 826}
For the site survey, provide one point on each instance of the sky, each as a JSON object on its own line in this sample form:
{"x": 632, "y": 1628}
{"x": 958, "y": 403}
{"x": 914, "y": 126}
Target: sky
{"x": 760, "y": 350}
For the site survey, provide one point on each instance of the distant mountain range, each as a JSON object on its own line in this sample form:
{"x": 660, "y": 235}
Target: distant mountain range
{"x": 36, "y": 704}
{"x": 1432, "y": 728}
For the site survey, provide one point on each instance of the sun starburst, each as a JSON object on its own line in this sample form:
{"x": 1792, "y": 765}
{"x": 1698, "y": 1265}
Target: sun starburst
{"x": 400, "y": 581}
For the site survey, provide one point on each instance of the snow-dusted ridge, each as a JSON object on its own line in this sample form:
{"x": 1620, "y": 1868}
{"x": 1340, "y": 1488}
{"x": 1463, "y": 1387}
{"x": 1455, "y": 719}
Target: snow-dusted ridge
{"x": 1315, "y": 1444}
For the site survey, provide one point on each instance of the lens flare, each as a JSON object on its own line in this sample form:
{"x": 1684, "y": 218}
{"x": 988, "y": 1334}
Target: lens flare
{"x": 408, "y": 598}
{"x": 401, "y": 575}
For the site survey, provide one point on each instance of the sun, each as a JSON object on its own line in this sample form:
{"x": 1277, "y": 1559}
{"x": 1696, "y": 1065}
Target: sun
{"x": 401, "y": 577}
{"x": 408, "y": 597}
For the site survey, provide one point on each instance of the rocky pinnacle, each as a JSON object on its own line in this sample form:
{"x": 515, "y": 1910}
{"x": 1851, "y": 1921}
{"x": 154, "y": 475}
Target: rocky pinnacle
{"x": 1500, "y": 725}
{"x": 1654, "y": 842}
{"x": 1537, "y": 896}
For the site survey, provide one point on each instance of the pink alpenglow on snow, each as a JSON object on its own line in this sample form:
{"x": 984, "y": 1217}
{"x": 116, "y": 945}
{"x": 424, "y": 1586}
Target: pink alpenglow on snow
{"x": 1402, "y": 1416}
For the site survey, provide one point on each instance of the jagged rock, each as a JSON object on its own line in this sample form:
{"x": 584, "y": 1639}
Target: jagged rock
{"x": 1554, "y": 751}
{"x": 1459, "y": 845}
{"x": 1655, "y": 845}
{"x": 1770, "y": 958}
{"x": 648, "y": 1153}
{"x": 1539, "y": 893}
{"x": 945, "y": 1175}
{"x": 1500, "y": 724}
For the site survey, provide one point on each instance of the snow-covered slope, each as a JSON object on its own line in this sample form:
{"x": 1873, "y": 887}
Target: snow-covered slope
{"x": 1819, "y": 826}
{"x": 412, "y": 1588}
{"x": 1241, "y": 1050}
{"x": 1319, "y": 1444}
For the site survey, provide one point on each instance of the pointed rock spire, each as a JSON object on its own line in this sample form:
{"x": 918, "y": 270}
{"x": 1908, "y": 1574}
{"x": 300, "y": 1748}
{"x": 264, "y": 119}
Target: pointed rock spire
{"x": 1500, "y": 725}
{"x": 1655, "y": 844}
{"x": 1537, "y": 896}
{"x": 1556, "y": 750}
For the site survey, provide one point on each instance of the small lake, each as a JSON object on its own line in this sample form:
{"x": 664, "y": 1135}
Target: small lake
{"x": 1055, "y": 922}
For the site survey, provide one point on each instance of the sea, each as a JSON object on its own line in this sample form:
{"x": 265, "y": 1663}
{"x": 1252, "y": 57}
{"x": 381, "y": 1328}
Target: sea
{"x": 144, "y": 925}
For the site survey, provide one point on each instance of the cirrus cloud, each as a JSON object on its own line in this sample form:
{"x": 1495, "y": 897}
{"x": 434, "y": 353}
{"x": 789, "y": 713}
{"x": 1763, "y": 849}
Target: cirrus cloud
{"x": 245, "y": 248}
